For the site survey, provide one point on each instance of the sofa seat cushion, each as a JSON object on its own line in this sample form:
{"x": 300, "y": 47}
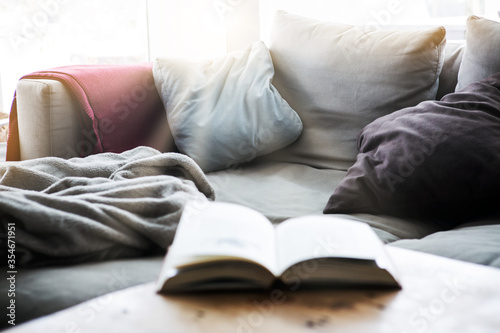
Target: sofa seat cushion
{"x": 477, "y": 242}
{"x": 284, "y": 190}
{"x": 41, "y": 291}
{"x": 340, "y": 77}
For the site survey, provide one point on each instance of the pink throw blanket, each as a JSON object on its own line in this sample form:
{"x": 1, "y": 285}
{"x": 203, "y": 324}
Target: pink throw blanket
{"x": 120, "y": 100}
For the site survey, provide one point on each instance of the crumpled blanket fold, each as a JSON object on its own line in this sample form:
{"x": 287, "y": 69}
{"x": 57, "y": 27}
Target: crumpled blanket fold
{"x": 100, "y": 207}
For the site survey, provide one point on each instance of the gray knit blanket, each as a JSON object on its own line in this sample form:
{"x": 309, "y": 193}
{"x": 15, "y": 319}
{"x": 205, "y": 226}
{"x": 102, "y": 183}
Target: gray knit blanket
{"x": 100, "y": 207}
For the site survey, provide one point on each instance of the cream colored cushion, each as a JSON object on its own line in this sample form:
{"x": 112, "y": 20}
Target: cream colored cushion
{"x": 482, "y": 54}
{"x": 340, "y": 77}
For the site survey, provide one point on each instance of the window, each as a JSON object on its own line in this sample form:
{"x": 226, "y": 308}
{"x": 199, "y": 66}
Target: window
{"x": 387, "y": 13}
{"x": 39, "y": 34}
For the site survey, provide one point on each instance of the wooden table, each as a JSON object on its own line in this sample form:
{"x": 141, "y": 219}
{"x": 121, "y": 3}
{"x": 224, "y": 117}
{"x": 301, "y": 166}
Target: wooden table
{"x": 438, "y": 295}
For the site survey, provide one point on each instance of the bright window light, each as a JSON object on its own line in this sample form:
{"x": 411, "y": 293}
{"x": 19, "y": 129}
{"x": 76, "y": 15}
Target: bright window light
{"x": 39, "y": 34}
{"x": 192, "y": 29}
{"x": 386, "y": 13}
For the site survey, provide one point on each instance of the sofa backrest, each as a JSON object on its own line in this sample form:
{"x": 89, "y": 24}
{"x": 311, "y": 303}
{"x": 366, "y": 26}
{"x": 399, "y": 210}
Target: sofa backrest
{"x": 453, "y": 54}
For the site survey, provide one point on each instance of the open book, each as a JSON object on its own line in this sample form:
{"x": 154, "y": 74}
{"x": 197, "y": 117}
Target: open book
{"x": 228, "y": 246}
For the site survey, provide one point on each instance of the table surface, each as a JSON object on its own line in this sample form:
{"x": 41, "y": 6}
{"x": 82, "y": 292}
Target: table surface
{"x": 438, "y": 295}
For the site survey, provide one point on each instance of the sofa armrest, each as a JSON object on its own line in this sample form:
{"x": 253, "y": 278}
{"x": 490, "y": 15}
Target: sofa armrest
{"x": 50, "y": 123}
{"x": 48, "y": 120}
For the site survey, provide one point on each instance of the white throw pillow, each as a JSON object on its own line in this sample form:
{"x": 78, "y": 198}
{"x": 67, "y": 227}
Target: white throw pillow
{"x": 225, "y": 111}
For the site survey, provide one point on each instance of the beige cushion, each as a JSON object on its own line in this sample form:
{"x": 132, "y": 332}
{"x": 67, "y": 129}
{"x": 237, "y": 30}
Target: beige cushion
{"x": 340, "y": 77}
{"x": 482, "y": 55}
{"x": 283, "y": 190}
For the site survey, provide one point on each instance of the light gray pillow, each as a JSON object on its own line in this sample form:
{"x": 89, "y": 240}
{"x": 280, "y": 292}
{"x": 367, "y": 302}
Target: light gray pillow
{"x": 482, "y": 54}
{"x": 340, "y": 77}
{"x": 453, "y": 53}
{"x": 225, "y": 111}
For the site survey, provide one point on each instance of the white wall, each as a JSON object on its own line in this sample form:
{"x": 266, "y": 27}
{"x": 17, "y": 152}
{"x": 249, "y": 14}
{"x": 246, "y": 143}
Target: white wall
{"x": 201, "y": 28}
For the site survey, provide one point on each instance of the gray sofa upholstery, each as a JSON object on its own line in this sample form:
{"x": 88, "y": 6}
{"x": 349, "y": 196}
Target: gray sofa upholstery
{"x": 49, "y": 126}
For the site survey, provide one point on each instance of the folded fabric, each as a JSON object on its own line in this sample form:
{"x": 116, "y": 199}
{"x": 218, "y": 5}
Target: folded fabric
{"x": 103, "y": 206}
{"x": 438, "y": 160}
{"x": 120, "y": 100}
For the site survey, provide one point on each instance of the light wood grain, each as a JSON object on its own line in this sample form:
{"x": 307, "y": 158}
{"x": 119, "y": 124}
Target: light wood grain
{"x": 438, "y": 295}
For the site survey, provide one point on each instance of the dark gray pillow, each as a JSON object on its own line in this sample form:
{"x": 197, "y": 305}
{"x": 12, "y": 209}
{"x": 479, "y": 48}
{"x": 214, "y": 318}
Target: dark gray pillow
{"x": 482, "y": 54}
{"x": 439, "y": 160}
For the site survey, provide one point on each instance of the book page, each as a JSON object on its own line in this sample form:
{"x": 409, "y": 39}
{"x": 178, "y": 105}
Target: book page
{"x": 222, "y": 231}
{"x": 309, "y": 237}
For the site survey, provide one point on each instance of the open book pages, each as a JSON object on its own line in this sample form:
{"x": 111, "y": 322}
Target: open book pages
{"x": 216, "y": 231}
{"x": 331, "y": 247}
{"x": 223, "y": 245}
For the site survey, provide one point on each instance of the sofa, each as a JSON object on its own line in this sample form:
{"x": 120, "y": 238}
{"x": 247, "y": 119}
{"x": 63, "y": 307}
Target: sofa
{"x": 328, "y": 91}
